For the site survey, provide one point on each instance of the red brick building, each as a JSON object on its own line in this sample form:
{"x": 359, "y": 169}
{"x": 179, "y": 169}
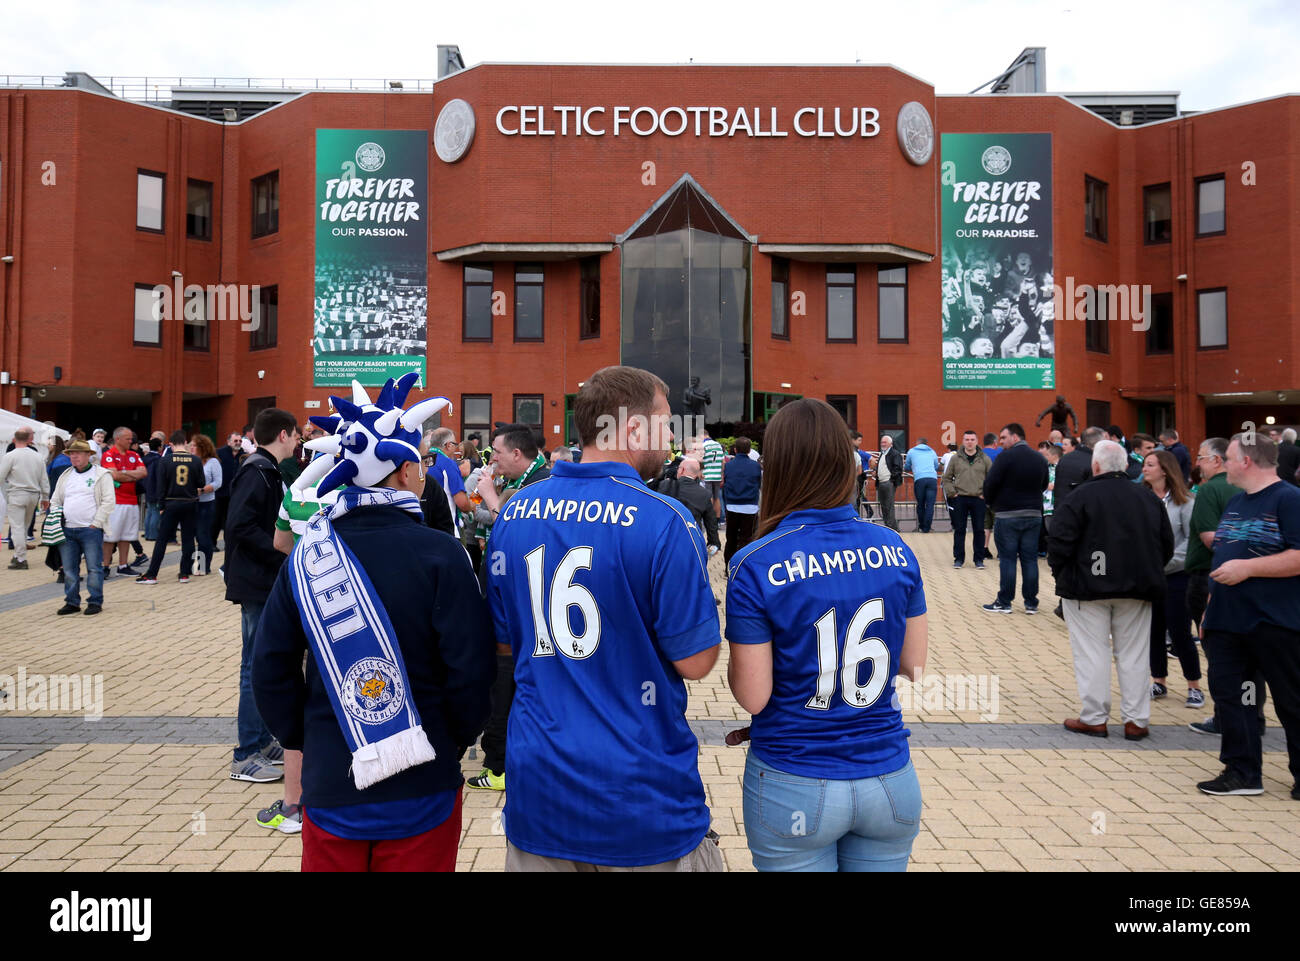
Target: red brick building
{"x": 809, "y": 208}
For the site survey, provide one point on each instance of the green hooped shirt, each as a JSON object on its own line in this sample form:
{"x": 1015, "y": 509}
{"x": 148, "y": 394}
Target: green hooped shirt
{"x": 298, "y": 508}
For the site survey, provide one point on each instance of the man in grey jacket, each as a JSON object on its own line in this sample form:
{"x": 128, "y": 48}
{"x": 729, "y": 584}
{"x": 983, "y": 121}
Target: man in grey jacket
{"x": 963, "y": 486}
{"x": 23, "y": 482}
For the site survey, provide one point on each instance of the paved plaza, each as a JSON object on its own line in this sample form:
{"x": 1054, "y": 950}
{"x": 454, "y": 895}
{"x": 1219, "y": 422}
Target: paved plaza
{"x": 145, "y": 787}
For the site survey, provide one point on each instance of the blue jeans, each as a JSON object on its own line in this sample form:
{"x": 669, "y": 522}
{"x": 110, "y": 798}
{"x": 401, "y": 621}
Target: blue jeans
{"x": 1017, "y": 537}
{"x": 927, "y": 488}
{"x": 207, "y": 542}
{"x": 796, "y": 823}
{"x": 152, "y": 519}
{"x": 252, "y": 733}
{"x": 87, "y": 542}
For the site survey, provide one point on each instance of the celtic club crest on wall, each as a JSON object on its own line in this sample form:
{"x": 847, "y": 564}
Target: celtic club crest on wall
{"x": 454, "y": 131}
{"x": 915, "y": 133}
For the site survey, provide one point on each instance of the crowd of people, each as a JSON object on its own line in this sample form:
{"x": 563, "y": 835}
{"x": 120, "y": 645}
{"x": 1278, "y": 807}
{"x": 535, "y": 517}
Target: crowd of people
{"x": 404, "y": 593}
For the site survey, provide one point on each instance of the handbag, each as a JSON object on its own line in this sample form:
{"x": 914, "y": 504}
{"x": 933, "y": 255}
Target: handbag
{"x": 52, "y": 528}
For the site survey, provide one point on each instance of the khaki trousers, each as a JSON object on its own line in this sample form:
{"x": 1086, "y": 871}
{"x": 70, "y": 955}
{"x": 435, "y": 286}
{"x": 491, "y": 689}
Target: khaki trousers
{"x": 1096, "y": 627}
{"x": 706, "y": 857}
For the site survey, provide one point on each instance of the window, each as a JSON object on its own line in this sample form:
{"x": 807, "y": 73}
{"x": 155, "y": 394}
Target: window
{"x": 1094, "y": 209}
{"x": 1212, "y": 317}
{"x": 1160, "y": 335}
{"x": 891, "y": 416}
{"x": 1157, "y": 214}
{"x": 1097, "y": 411}
{"x": 149, "y": 201}
{"x": 589, "y": 298}
{"x": 891, "y": 297}
{"x": 1210, "y": 214}
{"x": 780, "y": 298}
{"x": 266, "y": 320}
{"x": 841, "y": 304}
{"x": 196, "y": 320}
{"x": 476, "y": 416}
{"x": 198, "y": 210}
{"x": 148, "y": 317}
{"x": 1097, "y": 322}
{"x": 266, "y": 204}
{"x": 256, "y": 405}
{"x": 528, "y": 410}
{"x": 476, "y": 321}
{"x": 846, "y": 405}
{"x": 528, "y": 302}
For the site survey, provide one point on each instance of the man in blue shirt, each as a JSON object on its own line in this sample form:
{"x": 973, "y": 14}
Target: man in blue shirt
{"x": 924, "y": 465}
{"x": 600, "y": 587}
{"x": 446, "y": 472}
{"x": 1251, "y": 621}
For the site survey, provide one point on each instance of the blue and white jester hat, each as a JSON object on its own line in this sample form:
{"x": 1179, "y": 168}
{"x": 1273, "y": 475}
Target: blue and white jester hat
{"x": 368, "y": 441}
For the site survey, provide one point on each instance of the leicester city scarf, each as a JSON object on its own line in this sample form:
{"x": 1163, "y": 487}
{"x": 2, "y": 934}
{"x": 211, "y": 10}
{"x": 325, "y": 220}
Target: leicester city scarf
{"x": 355, "y": 645}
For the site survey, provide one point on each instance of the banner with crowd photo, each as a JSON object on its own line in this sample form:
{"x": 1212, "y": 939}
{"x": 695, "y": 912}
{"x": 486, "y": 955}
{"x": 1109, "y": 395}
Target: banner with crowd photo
{"x": 998, "y": 310}
{"x": 371, "y": 301}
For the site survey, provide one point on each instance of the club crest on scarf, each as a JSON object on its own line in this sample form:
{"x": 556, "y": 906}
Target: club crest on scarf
{"x": 374, "y": 690}
{"x": 368, "y": 440}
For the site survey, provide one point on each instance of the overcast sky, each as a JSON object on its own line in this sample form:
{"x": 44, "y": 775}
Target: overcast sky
{"x": 1213, "y": 52}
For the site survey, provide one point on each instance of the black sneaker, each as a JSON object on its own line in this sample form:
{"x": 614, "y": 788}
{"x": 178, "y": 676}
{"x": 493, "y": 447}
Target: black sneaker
{"x": 92, "y": 609}
{"x": 1158, "y": 689}
{"x": 957, "y": 566}
{"x": 67, "y": 609}
{"x": 979, "y": 565}
{"x": 996, "y": 608}
{"x": 1031, "y": 609}
{"x": 140, "y": 559}
{"x": 1227, "y": 783}
{"x": 1208, "y": 726}
{"x": 1295, "y": 791}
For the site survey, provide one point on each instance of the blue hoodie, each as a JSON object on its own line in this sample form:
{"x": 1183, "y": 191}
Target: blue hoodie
{"x": 922, "y": 462}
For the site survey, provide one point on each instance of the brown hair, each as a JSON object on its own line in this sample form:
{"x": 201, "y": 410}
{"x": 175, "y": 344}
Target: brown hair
{"x": 204, "y": 447}
{"x": 1173, "y": 476}
{"x": 608, "y": 390}
{"x": 808, "y": 461}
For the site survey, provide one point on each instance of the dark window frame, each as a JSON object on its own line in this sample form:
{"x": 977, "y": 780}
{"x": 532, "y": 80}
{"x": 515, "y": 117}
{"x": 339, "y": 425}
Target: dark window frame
{"x": 1098, "y": 314}
{"x": 1089, "y": 206}
{"x": 470, "y": 427}
{"x": 144, "y": 343}
{"x": 541, "y": 408}
{"x": 851, "y": 401}
{"x": 1226, "y": 340}
{"x": 1151, "y": 330}
{"x": 530, "y": 268}
{"x": 853, "y": 303}
{"x": 206, "y": 327}
{"x": 162, "y": 214}
{"x": 588, "y": 281}
{"x": 891, "y": 428}
{"x": 269, "y": 223}
{"x": 212, "y": 208}
{"x": 906, "y": 304}
{"x": 781, "y": 304}
{"x": 1146, "y": 223}
{"x": 268, "y": 332}
{"x": 1209, "y": 178}
{"x": 465, "y": 283}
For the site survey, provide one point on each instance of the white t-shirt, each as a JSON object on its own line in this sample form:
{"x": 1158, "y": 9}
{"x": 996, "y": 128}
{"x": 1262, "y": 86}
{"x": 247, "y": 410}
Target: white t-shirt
{"x": 882, "y": 469}
{"x": 79, "y": 496}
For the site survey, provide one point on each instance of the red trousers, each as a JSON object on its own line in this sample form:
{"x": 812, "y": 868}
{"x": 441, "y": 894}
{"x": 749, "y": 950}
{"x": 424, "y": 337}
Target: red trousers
{"x": 431, "y": 851}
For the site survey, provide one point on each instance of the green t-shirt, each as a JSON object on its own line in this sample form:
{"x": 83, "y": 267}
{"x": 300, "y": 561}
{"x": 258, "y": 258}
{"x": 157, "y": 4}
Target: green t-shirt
{"x": 297, "y": 509}
{"x": 711, "y": 466}
{"x": 1212, "y": 497}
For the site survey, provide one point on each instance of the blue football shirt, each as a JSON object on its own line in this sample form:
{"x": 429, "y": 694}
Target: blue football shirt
{"x": 598, "y": 584}
{"x": 447, "y": 473}
{"x": 832, "y": 594}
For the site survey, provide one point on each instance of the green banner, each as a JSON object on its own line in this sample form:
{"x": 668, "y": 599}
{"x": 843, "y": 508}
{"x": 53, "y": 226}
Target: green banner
{"x": 372, "y": 268}
{"x": 998, "y": 307}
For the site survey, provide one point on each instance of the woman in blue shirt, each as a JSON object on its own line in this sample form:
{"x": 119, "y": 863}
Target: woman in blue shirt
{"x": 823, "y": 611}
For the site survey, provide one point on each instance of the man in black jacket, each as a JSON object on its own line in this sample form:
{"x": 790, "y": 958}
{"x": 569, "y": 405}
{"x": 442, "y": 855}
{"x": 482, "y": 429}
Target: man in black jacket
{"x": 686, "y": 487}
{"x": 252, "y": 563}
{"x": 888, "y": 465}
{"x": 1108, "y": 547}
{"x": 1076, "y": 466}
{"x": 1014, "y": 490}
